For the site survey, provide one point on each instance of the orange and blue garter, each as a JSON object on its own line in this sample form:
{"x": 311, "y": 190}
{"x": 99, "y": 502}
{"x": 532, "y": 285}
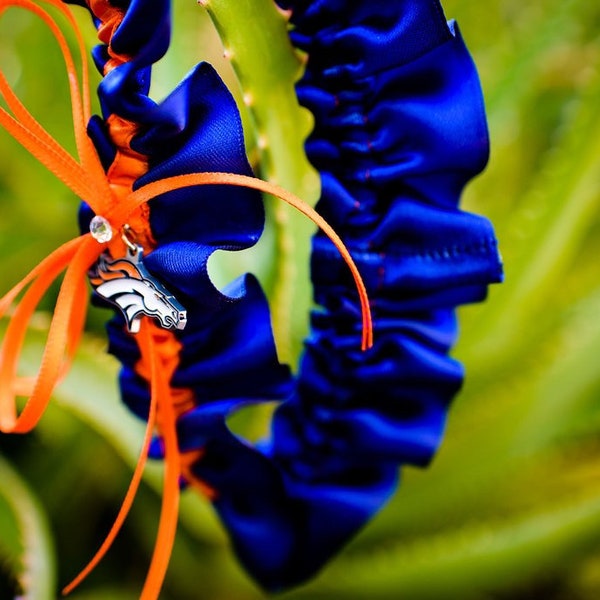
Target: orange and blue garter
{"x": 399, "y": 130}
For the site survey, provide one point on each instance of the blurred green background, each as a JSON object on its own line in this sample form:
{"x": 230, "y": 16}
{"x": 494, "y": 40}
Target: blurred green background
{"x": 510, "y": 508}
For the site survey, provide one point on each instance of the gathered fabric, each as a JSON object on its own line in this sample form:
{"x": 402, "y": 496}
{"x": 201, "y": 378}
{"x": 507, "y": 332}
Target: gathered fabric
{"x": 399, "y": 130}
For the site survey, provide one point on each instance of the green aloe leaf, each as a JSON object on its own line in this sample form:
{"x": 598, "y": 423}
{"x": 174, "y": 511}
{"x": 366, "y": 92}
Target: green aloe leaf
{"x": 468, "y": 562}
{"x": 267, "y": 67}
{"x": 34, "y": 569}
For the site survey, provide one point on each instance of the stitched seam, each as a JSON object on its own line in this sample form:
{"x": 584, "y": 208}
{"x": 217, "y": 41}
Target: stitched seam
{"x": 483, "y": 247}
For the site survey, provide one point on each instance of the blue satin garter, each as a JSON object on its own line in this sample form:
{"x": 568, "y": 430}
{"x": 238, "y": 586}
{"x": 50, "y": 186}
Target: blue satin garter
{"x": 399, "y": 130}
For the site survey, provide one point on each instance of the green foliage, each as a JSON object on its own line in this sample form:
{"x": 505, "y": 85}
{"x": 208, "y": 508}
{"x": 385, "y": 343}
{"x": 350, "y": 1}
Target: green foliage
{"x": 25, "y": 545}
{"x": 277, "y": 127}
{"x": 511, "y": 506}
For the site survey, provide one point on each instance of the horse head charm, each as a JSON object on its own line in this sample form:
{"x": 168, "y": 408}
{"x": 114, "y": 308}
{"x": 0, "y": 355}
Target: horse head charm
{"x": 128, "y": 285}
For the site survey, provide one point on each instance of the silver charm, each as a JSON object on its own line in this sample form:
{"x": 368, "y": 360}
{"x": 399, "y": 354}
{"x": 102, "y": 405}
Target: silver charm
{"x": 128, "y": 285}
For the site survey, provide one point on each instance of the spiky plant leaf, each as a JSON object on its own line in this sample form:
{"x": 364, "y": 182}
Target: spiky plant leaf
{"x": 26, "y": 541}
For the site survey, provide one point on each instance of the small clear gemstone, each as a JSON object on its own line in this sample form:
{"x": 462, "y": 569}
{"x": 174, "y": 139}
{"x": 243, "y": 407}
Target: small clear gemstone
{"x": 100, "y": 229}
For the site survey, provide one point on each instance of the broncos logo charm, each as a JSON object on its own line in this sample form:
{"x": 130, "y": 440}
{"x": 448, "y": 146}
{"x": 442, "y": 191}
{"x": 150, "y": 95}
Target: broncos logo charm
{"x": 128, "y": 285}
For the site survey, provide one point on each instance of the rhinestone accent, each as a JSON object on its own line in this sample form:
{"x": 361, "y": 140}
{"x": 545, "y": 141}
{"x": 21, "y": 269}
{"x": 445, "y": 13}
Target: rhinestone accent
{"x": 100, "y": 229}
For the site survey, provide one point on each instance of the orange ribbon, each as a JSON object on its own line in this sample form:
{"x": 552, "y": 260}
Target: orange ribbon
{"x": 118, "y": 204}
